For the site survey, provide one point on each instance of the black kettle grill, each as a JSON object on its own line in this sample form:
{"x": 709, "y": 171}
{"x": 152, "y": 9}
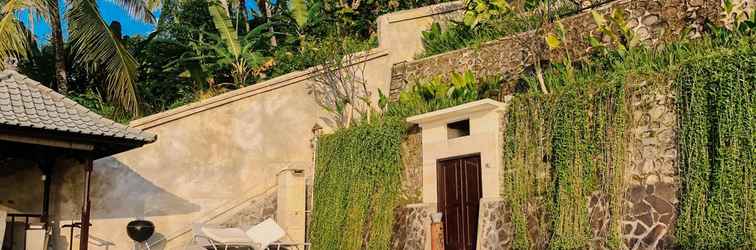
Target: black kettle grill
{"x": 140, "y": 231}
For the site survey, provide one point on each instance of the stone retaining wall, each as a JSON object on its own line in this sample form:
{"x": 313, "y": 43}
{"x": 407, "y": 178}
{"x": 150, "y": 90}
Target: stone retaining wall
{"x": 495, "y": 229}
{"x": 651, "y": 178}
{"x": 655, "y": 21}
{"x": 410, "y": 227}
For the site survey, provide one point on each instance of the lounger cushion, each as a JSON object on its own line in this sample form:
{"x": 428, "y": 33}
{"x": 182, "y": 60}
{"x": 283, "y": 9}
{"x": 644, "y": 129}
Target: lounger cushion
{"x": 226, "y": 235}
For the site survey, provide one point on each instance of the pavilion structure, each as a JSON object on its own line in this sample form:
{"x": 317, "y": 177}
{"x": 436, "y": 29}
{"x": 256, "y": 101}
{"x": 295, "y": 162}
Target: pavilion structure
{"x": 40, "y": 126}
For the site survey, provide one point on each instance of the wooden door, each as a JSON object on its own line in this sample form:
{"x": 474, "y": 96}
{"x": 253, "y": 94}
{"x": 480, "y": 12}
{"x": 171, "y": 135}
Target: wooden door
{"x": 459, "y": 193}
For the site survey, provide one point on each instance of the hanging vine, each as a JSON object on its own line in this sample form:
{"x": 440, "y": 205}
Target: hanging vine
{"x": 357, "y": 184}
{"x": 560, "y": 150}
{"x": 716, "y": 109}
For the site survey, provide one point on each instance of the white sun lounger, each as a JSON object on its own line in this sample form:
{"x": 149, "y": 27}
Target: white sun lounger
{"x": 218, "y": 238}
{"x": 265, "y": 233}
{"x": 258, "y": 237}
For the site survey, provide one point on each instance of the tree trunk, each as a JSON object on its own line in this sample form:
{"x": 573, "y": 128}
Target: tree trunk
{"x": 243, "y": 13}
{"x": 263, "y": 4}
{"x": 61, "y": 76}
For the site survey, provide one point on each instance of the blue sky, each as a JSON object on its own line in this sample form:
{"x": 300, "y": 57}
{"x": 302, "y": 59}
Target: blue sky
{"x": 110, "y": 12}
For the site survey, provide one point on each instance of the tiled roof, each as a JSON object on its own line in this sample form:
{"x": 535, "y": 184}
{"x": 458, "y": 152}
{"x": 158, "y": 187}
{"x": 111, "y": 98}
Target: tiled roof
{"x": 28, "y": 104}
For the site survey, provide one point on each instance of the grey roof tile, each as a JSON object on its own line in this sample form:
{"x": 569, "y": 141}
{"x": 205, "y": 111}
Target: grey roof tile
{"x": 27, "y": 103}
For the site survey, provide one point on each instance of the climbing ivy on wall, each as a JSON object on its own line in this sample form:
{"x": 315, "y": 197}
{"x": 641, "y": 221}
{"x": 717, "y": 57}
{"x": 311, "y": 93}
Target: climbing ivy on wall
{"x": 563, "y": 148}
{"x": 560, "y": 150}
{"x": 716, "y": 111}
{"x": 358, "y": 173}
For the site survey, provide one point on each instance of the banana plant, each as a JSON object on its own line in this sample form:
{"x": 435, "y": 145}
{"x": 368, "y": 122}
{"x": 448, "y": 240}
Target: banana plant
{"x": 240, "y": 54}
{"x": 299, "y": 11}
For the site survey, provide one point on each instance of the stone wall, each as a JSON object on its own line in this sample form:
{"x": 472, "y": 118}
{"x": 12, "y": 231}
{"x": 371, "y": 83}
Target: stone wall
{"x": 655, "y": 21}
{"x": 651, "y": 178}
{"x": 412, "y": 167}
{"x": 410, "y": 227}
{"x": 495, "y": 229}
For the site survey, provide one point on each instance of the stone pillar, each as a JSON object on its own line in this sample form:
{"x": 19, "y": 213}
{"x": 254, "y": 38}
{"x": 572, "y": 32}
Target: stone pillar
{"x": 290, "y": 213}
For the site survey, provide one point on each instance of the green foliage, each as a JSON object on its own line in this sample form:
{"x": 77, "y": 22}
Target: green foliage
{"x": 438, "y": 94}
{"x": 240, "y": 55}
{"x": 738, "y": 15}
{"x": 455, "y": 35}
{"x": 621, "y": 35}
{"x": 94, "y": 101}
{"x": 716, "y": 106}
{"x": 578, "y": 153}
{"x": 299, "y": 11}
{"x": 357, "y": 183}
{"x": 483, "y": 11}
{"x": 495, "y": 23}
{"x": 161, "y": 84}
{"x": 196, "y": 59}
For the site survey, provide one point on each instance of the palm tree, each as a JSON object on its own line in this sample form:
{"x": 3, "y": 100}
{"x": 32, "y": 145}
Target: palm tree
{"x": 94, "y": 45}
{"x": 263, "y": 5}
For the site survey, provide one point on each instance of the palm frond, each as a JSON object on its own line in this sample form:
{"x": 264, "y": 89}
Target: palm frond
{"x": 14, "y": 40}
{"x": 299, "y": 11}
{"x": 101, "y": 51}
{"x": 140, "y": 9}
{"x": 225, "y": 28}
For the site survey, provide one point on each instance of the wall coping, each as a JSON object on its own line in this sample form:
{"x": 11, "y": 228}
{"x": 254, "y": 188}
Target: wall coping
{"x": 295, "y": 77}
{"x": 421, "y": 12}
{"x": 456, "y": 111}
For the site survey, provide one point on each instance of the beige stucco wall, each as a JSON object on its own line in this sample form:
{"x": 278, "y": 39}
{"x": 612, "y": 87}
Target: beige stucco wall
{"x": 401, "y": 32}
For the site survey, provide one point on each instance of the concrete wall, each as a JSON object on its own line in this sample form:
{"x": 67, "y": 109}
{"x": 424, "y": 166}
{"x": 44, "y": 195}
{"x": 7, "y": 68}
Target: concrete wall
{"x": 401, "y": 32}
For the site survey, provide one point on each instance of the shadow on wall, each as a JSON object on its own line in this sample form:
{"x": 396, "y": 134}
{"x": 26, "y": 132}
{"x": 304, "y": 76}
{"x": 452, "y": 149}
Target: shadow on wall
{"x": 119, "y": 192}
{"x": 20, "y": 186}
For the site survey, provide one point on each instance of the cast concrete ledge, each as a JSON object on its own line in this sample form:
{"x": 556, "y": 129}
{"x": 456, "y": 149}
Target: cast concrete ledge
{"x": 240, "y": 94}
{"x": 492, "y": 199}
{"x": 426, "y": 11}
{"x": 457, "y": 111}
{"x": 418, "y": 205}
